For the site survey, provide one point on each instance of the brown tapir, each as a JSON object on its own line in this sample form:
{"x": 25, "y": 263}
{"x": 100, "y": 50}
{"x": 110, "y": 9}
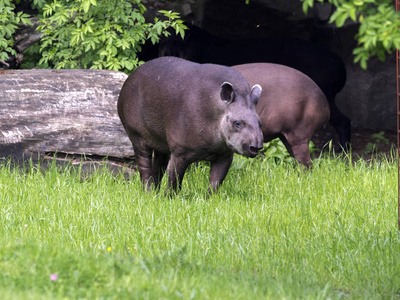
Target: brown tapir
{"x": 291, "y": 106}
{"x": 177, "y": 112}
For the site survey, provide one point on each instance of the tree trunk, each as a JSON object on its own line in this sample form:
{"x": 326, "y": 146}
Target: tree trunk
{"x": 69, "y": 112}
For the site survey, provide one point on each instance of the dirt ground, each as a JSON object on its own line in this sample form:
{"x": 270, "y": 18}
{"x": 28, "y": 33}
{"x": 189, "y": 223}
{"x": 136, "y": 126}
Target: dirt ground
{"x": 362, "y": 141}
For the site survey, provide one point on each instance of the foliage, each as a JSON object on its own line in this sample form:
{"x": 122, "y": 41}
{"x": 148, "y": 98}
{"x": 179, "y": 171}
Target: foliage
{"x": 271, "y": 232}
{"x": 379, "y": 139}
{"x": 276, "y": 151}
{"x": 312, "y": 148}
{"x": 105, "y": 34}
{"x": 9, "y": 21}
{"x": 379, "y": 31}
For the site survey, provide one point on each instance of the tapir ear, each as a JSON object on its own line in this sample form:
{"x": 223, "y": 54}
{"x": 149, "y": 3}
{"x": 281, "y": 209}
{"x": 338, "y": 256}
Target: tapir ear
{"x": 255, "y": 93}
{"x": 227, "y": 93}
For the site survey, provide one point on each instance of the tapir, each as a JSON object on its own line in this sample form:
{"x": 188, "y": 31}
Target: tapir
{"x": 177, "y": 112}
{"x": 291, "y": 106}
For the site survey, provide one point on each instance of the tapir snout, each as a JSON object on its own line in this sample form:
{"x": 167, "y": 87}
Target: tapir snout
{"x": 255, "y": 140}
{"x": 254, "y": 149}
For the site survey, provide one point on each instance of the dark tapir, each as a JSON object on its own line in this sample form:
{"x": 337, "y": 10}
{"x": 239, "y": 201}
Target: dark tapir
{"x": 323, "y": 66}
{"x": 177, "y": 112}
{"x": 291, "y": 106}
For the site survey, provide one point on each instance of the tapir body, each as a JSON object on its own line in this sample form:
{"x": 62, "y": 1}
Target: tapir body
{"x": 291, "y": 106}
{"x": 176, "y": 112}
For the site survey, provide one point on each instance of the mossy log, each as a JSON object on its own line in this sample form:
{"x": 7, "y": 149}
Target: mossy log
{"x": 71, "y": 113}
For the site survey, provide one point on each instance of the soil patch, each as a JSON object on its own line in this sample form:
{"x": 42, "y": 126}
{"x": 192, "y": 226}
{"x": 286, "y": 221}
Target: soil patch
{"x": 364, "y": 142}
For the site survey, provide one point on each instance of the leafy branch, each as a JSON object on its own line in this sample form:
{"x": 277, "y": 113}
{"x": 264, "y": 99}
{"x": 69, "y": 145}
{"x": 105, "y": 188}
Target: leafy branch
{"x": 88, "y": 34}
{"x": 379, "y": 31}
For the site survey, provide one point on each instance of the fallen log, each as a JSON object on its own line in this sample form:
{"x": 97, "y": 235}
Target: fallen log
{"x": 70, "y": 113}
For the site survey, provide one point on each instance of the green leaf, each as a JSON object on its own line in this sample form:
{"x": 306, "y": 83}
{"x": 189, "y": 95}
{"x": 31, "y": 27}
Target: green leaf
{"x": 341, "y": 19}
{"x": 381, "y": 54}
{"x": 129, "y": 65}
{"x": 103, "y": 53}
{"x": 181, "y": 31}
{"x": 363, "y": 63}
{"x": 86, "y": 5}
{"x": 307, "y": 4}
{"x": 352, "y": 14}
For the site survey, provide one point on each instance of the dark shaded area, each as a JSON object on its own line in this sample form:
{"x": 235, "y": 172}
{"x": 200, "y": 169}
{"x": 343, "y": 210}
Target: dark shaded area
{"x": 323, "y": 66}
{"x": 236, "y": 20}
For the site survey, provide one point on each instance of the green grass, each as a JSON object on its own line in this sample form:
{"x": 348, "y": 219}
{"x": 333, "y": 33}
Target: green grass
{"x": 271, "y": 232}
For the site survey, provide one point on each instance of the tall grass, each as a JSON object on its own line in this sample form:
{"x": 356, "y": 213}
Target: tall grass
{"x": 272, "y": 231}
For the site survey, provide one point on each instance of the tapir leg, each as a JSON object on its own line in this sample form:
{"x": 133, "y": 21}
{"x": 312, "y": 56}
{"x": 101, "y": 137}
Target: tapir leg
{"x": 176, "y": 170}
{"x": 298, "y": 149}
{"x": 160, "y": 162}
{"x": 218, "y": 170}
{"x": 302, "y": 154}
{"x": 144, "y": 162}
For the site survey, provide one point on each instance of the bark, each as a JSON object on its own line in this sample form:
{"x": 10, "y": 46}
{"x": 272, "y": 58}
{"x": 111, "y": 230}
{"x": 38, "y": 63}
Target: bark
{"x": 69, "y": 112}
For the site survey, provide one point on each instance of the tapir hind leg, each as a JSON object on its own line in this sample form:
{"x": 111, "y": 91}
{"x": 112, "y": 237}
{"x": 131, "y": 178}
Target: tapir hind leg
{"x": 160, "y": 163}
{"x": 302, "y": 154}
{"x": 143, "y": 155}
{"x": 298, "y": 148}
{"x": 144, "y": 162}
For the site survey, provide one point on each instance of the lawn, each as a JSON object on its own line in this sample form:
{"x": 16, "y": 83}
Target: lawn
{"x": 272, "y": 231}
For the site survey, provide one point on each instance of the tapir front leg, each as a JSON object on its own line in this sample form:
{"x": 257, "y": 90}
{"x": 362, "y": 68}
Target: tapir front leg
{"x": 218, "y": 170}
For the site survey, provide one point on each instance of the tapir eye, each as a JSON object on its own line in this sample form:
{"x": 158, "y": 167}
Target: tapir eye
{"x": 237, "y": 124}
{"x": 260, "y": 124}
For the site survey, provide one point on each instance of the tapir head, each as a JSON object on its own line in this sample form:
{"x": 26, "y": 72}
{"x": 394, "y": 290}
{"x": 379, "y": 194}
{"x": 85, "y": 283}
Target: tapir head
{"x": 241, "y": 125}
